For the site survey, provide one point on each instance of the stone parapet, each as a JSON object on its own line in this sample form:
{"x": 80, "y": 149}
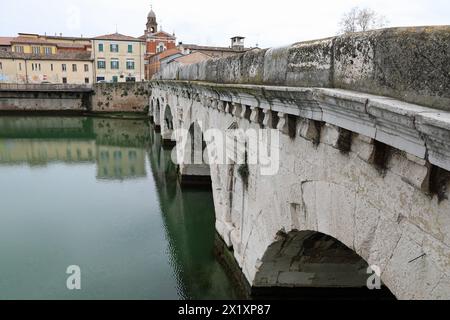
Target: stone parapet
{"x": 408, "y": 64}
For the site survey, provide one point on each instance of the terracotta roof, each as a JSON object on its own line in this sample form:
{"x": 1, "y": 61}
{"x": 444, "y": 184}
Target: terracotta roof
{"x": 162, "y": 34}
{"x": 66, "y": 55}
{"x": 67, "y": 38}
{"x": 117, "y": 37}
{"x": 169, "y": 53}
{"x": 72, "y": 45}
{"x": 5, "y": 41}
{"x": 193, "y": 58}
{"x": 29, "y": 40}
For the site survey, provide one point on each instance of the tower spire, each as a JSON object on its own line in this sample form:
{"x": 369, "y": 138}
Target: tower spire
{"x": 152, "y": 25}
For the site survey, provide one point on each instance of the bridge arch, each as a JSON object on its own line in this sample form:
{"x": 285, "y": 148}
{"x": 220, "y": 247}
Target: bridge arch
{"x": 157, "y": 115}
{"x": 167, "y": 127}
{"x": 309, "y": 264}
{"x": 194, "y": 167}
{"x": 150, "y": 110}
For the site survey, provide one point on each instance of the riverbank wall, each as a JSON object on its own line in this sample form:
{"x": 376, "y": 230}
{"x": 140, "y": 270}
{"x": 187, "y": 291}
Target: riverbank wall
{"x": 57, "y": 99}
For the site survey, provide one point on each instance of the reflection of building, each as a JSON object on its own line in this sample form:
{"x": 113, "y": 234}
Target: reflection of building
{"x": 41, "y": 152}
{"x": 120, "y": 163}
{"x": 112, "y": 162}
{"x": 117, "y": 146}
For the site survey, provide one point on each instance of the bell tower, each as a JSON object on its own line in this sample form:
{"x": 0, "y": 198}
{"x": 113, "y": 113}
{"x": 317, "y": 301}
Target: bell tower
{"x": 152, "y": 25}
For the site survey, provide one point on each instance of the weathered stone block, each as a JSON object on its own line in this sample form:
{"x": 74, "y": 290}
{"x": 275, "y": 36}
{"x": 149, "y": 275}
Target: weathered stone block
{"x": 229, "y": 69}
{"x": 211, "y": 74}
{"x": 252, "y": 67}
{"x": 310, "y": 64}
{"x": 275, "y": 66}
{"x": 410, "y": 64}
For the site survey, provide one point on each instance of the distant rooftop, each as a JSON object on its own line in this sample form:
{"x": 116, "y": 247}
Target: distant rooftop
{"x": 117, "y": 37}
{"x": 22, "y": 39}
{"x": 66, "y": 55}
{"x": 5, "y": 41}
{"x": 206, "y": 48}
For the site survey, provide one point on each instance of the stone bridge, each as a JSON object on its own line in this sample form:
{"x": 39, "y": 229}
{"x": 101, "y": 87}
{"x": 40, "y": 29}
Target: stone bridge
{"x": 364, "y": 158}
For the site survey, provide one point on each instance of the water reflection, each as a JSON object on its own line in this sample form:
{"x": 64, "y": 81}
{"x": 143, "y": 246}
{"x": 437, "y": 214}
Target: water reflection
{"x": 190, "y": 226}
{"x": 117, "y": 147}
{"x": 138, "y": 236}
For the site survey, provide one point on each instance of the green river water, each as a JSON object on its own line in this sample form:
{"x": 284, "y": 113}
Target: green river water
{"x": 102, "y": 195}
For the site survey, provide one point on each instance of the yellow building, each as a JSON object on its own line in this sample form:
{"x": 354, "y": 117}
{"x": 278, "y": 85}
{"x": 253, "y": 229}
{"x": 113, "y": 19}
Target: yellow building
{"x": 33, "y": 58}
{"x": 118, "y": 58}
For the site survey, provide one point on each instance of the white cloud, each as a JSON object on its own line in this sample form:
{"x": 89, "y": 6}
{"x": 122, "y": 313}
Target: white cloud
{"x": 268, "y": 23}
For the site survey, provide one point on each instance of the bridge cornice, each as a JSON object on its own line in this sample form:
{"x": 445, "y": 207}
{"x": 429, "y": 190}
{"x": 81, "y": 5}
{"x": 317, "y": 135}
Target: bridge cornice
{"x": 421, "y": 131}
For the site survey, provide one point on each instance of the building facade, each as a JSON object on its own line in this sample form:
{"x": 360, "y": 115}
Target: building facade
{"x": 155, "y": 61}
{"x": 157, "y": 41}
{"x": 34, "y": 59}
{"x": 118, "y": 58}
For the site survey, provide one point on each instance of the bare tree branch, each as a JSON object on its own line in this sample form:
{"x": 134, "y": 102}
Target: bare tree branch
{"x": 361, "y": 20}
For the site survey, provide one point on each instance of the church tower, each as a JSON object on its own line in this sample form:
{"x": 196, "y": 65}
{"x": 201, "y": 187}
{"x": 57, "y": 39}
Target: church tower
{"x": 152, "y": 25}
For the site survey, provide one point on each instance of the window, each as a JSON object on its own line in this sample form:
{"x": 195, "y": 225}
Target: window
{"x": 1, "y": 66}
{"x": 47, "y": 50}
{"x": 114, "y": 48}
{"x": 115, "y": 79}
{"x": 114, "y": 64}
{"x": 117, "y": 155}
{"x": 161, "y": 47}
{"x": 101, "y": 64}
{"x": 36, "y": 67}
{"x": 51, "y": 67}
{"x": 36, "y": 50}
{"x": 100, "y": 47}
{"x": 130, "y": 79}
{"x": 130, "y": 48}
{"x": 64, "y": 80}
{"x": 19, "y": 49}
{"x": 86, "y": 80}
{"x": 20, "y": 66}
{"x": 64, "y": 68}
{"x": 130, "y": 65}
{"x": 132, "y": 155}
{"x": 86, "y": 68}
{"x": 74, "y": 67}
{"x": 104, "y": 155}
{"x": 100, "y": 79}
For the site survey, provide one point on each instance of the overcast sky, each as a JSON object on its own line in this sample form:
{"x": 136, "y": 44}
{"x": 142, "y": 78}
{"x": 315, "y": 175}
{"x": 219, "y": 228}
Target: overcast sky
{"x": 210, "y": 22}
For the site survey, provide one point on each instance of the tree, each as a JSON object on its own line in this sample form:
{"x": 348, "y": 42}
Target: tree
{"x": 364, "y": 19}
